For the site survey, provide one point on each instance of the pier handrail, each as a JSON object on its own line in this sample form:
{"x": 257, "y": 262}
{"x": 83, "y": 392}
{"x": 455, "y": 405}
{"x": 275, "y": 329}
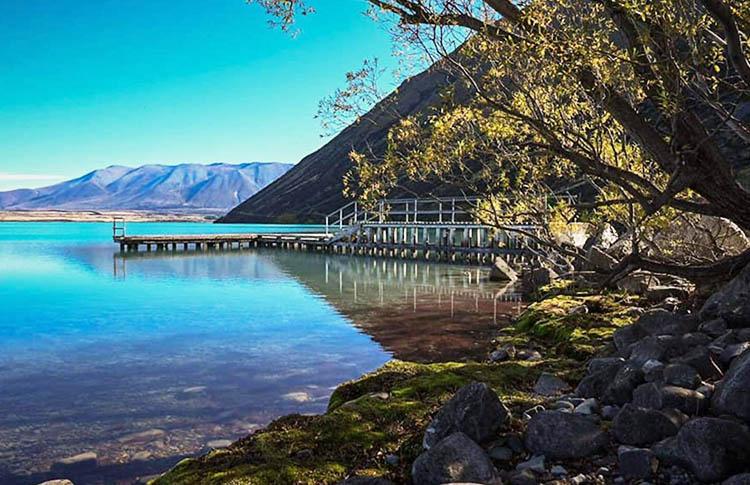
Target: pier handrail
{"x": 118, "y": 227}
{"x": 443, "y": 209}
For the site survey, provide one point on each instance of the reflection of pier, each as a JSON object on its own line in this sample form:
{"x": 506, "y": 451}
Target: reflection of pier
{"x": 415, "y": 310}
{"x": 439, "y": 229}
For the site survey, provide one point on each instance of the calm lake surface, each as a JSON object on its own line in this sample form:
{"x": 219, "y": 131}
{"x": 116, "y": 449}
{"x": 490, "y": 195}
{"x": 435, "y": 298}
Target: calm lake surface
{"x": 146, "y": 358}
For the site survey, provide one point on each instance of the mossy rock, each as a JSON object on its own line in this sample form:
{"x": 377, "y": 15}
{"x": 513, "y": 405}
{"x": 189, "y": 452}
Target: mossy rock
{"x": 384, "y": 412}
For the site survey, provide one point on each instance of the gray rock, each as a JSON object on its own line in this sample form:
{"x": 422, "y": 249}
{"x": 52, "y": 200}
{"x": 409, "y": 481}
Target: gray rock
{"x": 638, "y": 426}
{"x": 654, "y": 396}
{"x": 535, "y": 464}
{"x": 714, "y": 328}
{"x": 601, "y": 363}
{"x": 587, "y": 407}
{"x": 711, "y": 448}
{"x": 731, "y": 351}
{"x": 610, "y": 412}
{"x": 636, "y": 462}
{"x": 365, "y": 481}
{"x": 392, "y": 460}
{"x": 504, "y": 352}
{"x": 681, "y": 375}
{"x": 695, "y": 339}
{"x": 701, "y": 360}
{"x": 558, "y": 471}
{"x": 741, "y": 479}
{"x": 620, "y": 390}
{"x": 597, "y": 382}
{"x": 57, "y": 482}
{"x": 731, "y": 303}
{"x": 524, "y": 477}
{"x": 653, "y": 370}
{"x": 535, "y": 278}
{"x": 563, "y": 435}
{"x": 550, "y": 385}
{"x": 624, "y": 337}
{"x": 501, "y": 453}
{"x": 732, "y": 395}
{"x": 474, "y": 410}
{"x": 502, "y": 271}
{"x": 454, "y": 459}
{"x": 649, "y": 348}
{"x": 663, "y": 322}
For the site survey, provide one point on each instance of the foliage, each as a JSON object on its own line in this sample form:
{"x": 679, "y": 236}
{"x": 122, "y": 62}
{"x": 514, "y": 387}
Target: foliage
{"x": 637, "y": 98}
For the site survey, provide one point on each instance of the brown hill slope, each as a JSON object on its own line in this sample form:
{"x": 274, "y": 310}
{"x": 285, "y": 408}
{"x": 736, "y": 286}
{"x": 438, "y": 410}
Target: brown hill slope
{"x": 313, "y": 188}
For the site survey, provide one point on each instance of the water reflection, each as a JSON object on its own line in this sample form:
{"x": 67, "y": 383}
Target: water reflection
{"x": 146, "y": 358}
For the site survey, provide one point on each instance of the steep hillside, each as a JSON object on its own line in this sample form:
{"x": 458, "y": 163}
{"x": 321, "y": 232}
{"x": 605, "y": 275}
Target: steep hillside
{"x": 187, "y": 187}
{"x": 313, "y": 188}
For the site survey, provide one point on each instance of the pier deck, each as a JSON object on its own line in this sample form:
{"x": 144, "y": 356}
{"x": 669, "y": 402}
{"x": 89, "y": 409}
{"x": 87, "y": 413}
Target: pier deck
{"x": 434, "y": 229}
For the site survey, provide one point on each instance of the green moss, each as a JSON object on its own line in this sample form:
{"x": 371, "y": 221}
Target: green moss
{"x": 383, "y": 412}
{"x": 558, "y": 324}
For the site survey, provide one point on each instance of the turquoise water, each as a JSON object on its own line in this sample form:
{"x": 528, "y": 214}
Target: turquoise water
{"x": 146, "y": 358}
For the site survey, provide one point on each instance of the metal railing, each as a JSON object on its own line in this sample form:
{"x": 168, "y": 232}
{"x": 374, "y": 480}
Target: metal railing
{"x": 118, "y": 227}
{"x": 436, "y": 209}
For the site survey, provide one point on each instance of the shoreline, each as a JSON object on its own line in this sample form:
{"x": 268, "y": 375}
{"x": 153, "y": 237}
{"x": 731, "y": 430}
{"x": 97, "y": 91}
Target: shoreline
{"x": 104, "y": 216}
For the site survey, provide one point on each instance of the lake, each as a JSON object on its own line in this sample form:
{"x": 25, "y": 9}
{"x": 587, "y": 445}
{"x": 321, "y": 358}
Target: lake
{"x": 143, "y": 359}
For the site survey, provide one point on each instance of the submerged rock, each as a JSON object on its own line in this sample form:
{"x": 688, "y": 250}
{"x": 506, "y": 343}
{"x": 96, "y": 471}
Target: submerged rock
{"x": 77, "y": 463}
{"x": 454, "y": 459}
{"x": 564, "y": 435}
{"x": 474, "y": 410}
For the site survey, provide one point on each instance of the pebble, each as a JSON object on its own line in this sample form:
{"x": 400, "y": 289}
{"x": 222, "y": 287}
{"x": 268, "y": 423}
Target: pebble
{"x": 501, "y": 453}
{"x": 392, "y": 460}
{"x": 579, "y": 479}
{"x": 589, "y": 406}
{"x": 535, "y": 464}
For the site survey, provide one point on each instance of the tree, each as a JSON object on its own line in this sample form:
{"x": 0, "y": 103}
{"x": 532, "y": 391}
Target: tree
{"x": 647, "y": 99}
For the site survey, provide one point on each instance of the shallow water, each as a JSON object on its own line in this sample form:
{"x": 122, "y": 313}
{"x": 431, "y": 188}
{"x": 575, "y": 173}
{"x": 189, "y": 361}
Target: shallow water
{"x": 146, "y": 358}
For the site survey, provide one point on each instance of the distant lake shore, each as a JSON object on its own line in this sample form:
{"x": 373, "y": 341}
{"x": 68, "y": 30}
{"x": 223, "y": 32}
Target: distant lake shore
{"x": 103, "y": 216}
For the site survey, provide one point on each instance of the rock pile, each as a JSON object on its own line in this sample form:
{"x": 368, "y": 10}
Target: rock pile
{"x": 672, "y": 406}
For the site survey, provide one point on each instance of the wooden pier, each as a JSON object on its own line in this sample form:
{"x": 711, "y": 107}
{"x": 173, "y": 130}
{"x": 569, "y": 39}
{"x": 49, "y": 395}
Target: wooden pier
{"x": 430, "y": 229}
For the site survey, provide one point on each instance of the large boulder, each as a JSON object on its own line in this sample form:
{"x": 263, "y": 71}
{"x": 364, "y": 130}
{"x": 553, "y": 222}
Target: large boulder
{"x": 535, "y": 278}
{"x": 713, "y": 449}
{"x": 474, "y": 410}
{"x": 454, "y": 459}
{"x": 731, "y": 303}
{"x": 663, "y": 322}
{"x": 732, "y": 394}
{"x": 501, "y": 271}
{"x": 741, "y": 479}
{"x": 559, "y": 435}
{"x": 599, "y": 260}
{"x": 601, "y": 374}
{"x": 639, "y": 426}
{"x": 620, "y": 390}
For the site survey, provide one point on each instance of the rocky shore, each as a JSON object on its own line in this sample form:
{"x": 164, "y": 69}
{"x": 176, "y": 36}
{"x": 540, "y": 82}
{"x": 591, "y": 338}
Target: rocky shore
{"x": 584, "y": 388}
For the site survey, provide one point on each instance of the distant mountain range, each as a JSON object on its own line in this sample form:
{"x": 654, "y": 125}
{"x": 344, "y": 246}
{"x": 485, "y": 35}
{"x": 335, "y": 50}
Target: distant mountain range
{"x": 179, "y": 188}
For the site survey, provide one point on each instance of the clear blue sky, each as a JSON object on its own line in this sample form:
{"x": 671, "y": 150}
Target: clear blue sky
{"x": 88, "y": 83}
